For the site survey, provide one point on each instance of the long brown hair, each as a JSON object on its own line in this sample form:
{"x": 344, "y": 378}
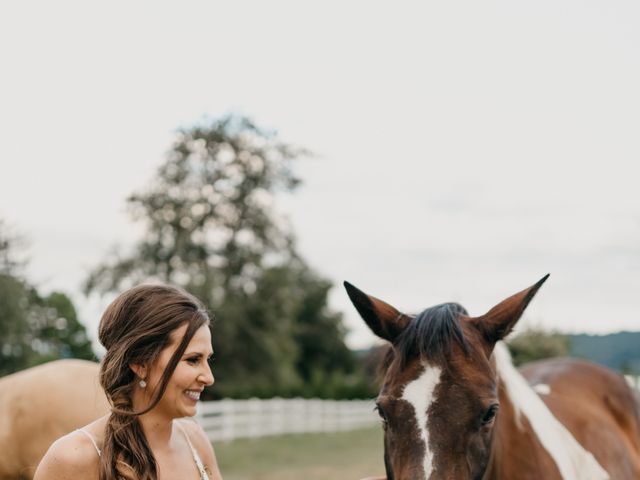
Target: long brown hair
{"x": 134, "y": 329}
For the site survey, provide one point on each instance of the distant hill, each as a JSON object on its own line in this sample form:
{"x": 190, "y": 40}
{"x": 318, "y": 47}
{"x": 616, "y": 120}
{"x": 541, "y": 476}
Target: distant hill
{"x": 620, "y": 351}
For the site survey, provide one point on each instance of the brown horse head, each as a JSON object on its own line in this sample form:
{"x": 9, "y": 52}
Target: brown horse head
{"x": 439, "y": 397}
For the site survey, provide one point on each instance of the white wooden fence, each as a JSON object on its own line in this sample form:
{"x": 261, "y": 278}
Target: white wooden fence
{"x": 228, "y": 419}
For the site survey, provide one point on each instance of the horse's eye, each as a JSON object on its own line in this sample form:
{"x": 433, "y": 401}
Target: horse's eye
{"x": 381, "y": 412}
{"x": 490, "y": 414}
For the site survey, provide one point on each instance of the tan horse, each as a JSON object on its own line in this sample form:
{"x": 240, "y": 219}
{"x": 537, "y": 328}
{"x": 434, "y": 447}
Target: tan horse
{"x": 40, "y": 404}
{"x": 454, "y": 407}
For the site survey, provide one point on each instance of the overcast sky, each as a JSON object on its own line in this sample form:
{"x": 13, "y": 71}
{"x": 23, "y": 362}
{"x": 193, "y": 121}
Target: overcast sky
{"x": 464, "y": 149}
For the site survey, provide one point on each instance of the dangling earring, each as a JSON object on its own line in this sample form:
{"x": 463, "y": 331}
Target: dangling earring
{"x": 142, "y": 383}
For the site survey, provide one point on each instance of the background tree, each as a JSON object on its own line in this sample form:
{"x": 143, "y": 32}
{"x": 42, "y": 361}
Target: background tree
{"x": 210, "y": 226}
{"x": 33, "y": 329}
{"x": 11, "y": 245}
{"x": 536, "y": 344}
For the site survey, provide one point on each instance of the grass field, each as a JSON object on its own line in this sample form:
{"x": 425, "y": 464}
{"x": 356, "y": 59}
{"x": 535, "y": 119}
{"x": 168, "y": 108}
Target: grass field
{"x": 326, "y": 456}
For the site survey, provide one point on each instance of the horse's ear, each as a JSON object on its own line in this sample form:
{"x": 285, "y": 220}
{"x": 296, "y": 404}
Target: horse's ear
{"x": 498, "y": 322}
{"x": 383, "y": 319}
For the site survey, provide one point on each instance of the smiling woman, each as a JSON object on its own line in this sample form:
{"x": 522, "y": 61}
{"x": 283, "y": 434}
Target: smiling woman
{"x": 158, "y": 345}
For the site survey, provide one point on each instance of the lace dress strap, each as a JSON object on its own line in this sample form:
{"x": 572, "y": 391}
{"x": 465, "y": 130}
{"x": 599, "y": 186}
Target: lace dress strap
{"x": 194, "y": 453}
{"x": 93, "y": 440}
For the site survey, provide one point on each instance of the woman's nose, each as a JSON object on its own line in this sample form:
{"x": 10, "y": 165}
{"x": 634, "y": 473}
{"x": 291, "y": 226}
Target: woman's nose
{"x": 206, "y": 376}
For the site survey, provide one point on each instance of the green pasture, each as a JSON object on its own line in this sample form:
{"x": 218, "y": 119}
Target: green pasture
{"x": 334, "y": 456}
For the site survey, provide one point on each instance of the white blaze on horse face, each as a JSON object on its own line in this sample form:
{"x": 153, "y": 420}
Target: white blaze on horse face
{"x": 420, "y": 394}
{"x": 571, "y": 458}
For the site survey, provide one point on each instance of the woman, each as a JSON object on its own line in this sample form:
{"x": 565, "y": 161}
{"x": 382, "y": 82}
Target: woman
{"x": 158, "y": 345}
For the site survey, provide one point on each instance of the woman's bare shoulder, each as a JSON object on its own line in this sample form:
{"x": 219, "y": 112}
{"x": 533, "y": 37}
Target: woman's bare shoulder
{"x": 71, "y": 457}
{"x": 197, "y": 436}
{"x": 203, "y": 445}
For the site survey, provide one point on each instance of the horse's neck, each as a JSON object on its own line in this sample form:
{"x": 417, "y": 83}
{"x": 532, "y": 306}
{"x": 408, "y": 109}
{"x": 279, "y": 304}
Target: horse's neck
{"x": 502, "y": 436}
{"x": 528, "y": 440}
{"x": 515, "y": 448}
{"x": 508, "y": 438}
{"x": 4, "y": 388}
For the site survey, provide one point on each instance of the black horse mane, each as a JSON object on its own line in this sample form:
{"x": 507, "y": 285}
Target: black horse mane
{"x": 431, "y": 334}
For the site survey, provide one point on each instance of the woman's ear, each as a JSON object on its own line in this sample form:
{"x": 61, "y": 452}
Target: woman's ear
{"x": 139, "y": 370}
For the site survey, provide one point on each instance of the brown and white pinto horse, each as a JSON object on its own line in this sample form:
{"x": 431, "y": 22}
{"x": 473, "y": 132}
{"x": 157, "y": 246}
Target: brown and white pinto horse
{"x": 454, "y": 407}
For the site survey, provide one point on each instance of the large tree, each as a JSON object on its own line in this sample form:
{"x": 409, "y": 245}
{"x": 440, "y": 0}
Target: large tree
{"x": 33, "y": 328}
{"x": 210, "y": 226}
{"x": 11, "y": 245}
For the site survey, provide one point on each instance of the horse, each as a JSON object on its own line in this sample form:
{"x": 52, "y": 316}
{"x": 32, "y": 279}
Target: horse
{"x": 453, "y": 406}
{"x": 39, "y": 405}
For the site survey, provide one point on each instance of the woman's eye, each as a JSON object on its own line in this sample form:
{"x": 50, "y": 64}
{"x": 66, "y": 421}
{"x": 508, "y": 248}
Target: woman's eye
{"x": 193, "y": 360}
{"x": 489, "y": 415}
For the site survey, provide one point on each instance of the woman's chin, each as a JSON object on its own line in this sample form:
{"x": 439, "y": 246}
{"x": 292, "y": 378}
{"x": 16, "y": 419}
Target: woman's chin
{"x": 188, "y": 410}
